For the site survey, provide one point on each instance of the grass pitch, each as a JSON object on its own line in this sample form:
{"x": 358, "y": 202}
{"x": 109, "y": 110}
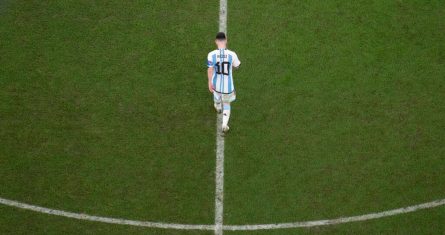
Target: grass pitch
{"x": 105, "y": 110}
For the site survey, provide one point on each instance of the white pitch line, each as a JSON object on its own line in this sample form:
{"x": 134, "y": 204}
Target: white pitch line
{"x": 108, "y": 220}
{"x": 223, "y": 16}
{"x": 219, "y": 178}
{"x": 219, "y": 171}
{"x": 340, "y": 220}
{"x": 314, "y": 223}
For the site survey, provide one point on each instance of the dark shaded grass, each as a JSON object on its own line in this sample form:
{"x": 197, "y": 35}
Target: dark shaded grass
{"x": 104, "y": 110}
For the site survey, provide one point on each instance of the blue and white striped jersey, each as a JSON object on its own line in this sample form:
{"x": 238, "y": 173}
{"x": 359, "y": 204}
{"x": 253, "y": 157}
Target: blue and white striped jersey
{"x": 222, "y": 61}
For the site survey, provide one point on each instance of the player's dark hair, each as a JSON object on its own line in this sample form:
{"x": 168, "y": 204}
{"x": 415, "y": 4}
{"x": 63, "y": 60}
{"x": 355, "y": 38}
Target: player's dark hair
{"x": 221, "y": 36}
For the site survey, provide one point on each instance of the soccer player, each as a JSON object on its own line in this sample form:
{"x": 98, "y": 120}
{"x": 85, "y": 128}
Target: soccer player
{"x": 220, "y": 63}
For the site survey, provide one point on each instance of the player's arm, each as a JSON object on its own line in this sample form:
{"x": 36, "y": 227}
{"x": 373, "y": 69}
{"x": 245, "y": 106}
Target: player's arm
{"x": 210, "y": 68}
{"x": 210, "y": 76}
{"x": 236, "y": 62}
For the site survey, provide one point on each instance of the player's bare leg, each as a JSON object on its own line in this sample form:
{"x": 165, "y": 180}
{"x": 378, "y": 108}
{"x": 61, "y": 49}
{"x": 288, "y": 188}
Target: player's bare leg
{"x": 226, "y": 117}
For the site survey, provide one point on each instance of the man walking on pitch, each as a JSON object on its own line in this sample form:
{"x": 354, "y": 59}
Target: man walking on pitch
{"x": 220, "y": 63}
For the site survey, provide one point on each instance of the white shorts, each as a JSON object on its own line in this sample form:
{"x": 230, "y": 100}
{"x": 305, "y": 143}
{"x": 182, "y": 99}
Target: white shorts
{"x": 225, "y": 98}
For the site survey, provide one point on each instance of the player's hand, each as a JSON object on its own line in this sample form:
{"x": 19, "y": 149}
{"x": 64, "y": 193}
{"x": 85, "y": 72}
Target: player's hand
{"x": 210, "y": 87}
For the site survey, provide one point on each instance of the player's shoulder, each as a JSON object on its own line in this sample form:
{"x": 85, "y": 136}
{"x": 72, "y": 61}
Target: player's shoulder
{"x": 230, "y": 51}
{"x": 213, "y": 52}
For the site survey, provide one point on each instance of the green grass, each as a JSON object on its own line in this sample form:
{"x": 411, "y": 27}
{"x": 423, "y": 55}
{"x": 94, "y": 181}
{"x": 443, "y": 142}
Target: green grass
{"x": 105, "y": 110}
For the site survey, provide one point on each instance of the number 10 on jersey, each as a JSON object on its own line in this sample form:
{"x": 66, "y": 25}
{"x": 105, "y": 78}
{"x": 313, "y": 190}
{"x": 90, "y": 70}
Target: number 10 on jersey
{"x": 222, "y": 68}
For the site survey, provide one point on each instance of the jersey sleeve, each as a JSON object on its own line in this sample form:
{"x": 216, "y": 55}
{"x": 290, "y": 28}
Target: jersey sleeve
{"x": 209, "y": 60}
{"x": 236, "y": 62}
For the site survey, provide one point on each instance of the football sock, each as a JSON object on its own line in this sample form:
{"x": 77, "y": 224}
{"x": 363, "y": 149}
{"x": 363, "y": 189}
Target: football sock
{"x": 226, "y": 114}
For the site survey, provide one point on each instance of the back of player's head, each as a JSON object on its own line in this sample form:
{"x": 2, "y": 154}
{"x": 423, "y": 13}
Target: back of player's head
{"x": 221, "y": 36}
